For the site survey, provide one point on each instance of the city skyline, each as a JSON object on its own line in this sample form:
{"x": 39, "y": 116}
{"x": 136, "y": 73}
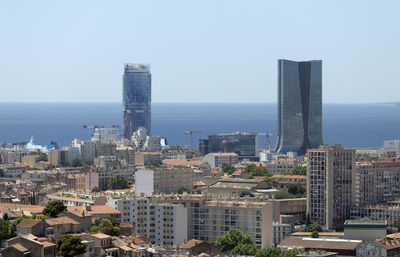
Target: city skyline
{"x": 70, "y": 54}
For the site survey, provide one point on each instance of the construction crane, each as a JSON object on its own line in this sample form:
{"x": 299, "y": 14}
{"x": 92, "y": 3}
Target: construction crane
{"x": 190, "y": 132}
{"x": 94, "y": 127}
{"x": 267, "y": 135}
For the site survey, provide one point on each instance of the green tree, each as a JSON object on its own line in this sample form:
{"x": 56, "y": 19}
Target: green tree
{"x": 299, "y": 171}
{"x": 181, "y": 190}
{"x": 105, "y": 226}
{"x": 314, "y": 234}
{"x": 245, "y": 193}
{"x": 76, "y": 163}
{"x": 96, "y": 189}
{"x": 270, "y": 180}
{"x": 5, "y": 216}
{"x": 389, "y": 231}
{"x": 283, "y": 195}
{"x": 244, "y": 249}
{"x": 118, "y": 182}
{"x": 314, "y": 227}
{"x": 228, "y": 241}
{"x": 155, "y": 164}
{"x": 69, "y": 246}
{"x": 54, "y": 208}
{"x": 295, "y": 189}
{"x": 257, "y": 170}
{"x": 228, "y": 168}
{"x": 43, "y": 157}
{"x": 268, "y": 252}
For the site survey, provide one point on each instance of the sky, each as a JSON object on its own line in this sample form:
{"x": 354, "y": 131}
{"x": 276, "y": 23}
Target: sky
{"x": 199, "y": 51}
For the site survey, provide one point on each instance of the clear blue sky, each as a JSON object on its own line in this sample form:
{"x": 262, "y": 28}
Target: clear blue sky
{"x": 199, "y": 51}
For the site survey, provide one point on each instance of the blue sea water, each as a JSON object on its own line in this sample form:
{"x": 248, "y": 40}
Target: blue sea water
{"x": 355, "y": 125}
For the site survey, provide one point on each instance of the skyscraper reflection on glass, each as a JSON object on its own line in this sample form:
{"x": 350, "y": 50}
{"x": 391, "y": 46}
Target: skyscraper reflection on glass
{"x": 136, "y": 98}
{"x": 299, "y": 105}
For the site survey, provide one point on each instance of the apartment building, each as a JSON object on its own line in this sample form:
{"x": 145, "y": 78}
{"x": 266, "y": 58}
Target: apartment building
{"x": 276, "y": 166}
{"x": 330, "y": 185}
{"x": 208, "y": 219}
{"x": 216, "y": 160}
{"x": 377, "y": 182}
{"x": 162, "y": 223}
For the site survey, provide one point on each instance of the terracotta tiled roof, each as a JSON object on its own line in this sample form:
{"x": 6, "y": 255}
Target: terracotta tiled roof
{"x": 101, "y": 236}
{"x": 25, "y": 207}
{"x": 189, "y": 244}
{"x": 61, "y": 221}
{"x": 95, "y": 209}
{"x": 319, "y": 243}
{"x": 28, "y": 223}
{"x": 180, "y": 162}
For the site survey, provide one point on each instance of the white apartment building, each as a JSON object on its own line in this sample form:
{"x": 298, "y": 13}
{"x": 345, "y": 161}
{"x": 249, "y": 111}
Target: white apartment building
{"x": 87, "y": 150}
{"x": 105, "y": 135}
{"x": 391, "y": 146}
{"x": 216, "y": 160}
{"x": 163, "y": 223}
{"x": 144, "y": 182}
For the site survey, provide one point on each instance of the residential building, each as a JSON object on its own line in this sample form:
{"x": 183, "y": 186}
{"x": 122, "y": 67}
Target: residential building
{"x": 330, "y": 185}
{"x": 286, "y": 164}
{"x": 391, "y": 146}
{"x": 12, "y": 170}
{"x": 286, "y": 179}
{"x": 162, "y": 223}
{"x": 377, "y": 181}
{"x": 299, "y": 105}
{"x": 197, "y": 247}
{"x": 87, "y": 150}
{"x": 170, "y": 179}
{"x": 105, "y": 135}
{"x": 107, "y": 162}
{"x": 144, "y": 181}
{"x": 105, "y": 149}
{"x": 144, "y": 158}
{"x": 25, "y": 246}
{"x": 58, "y": 157}
{"x": 96, "y": 211}
{"x": 216, "y": 160}
{"x": 136, "y": 98}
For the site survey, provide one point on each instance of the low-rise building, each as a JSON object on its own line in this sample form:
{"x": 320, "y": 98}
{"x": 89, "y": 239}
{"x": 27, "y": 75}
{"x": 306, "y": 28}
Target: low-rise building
{"x": 144, "y": 158}
{"x": 24, "y": 246}
{"x": 286, "y": 179}
{"x": 216, "y": 160}
{"x": 365, "y": 229}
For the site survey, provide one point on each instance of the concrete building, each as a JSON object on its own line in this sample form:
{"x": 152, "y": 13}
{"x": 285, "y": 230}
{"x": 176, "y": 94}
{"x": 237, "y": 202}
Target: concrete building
{"x": 58, "y": 157}
{"x": 286, "y": 179}
{"x": 377, "y": 181}
{"x": 162, "y": 223}
{"x": 243, "y": 144}
{"x": 144, "y": 182}
{"x": 136, "y": 98}
{"x": 105, "y": 135}
{"x": 388, "y": 212}
{"x": 299, "y": 105}
{"x": 365, "y": 229}
{"x": 144, "y": 158}
{"x": 105, "y": 149}
{"x": 107, "y": 162}
{"x": 330, "y": 185}
{"x": 11, "y": 170}
{"x": 12, "y": 155}
{"x": 170, "y": 179}
{"x": 26, "y": 246}
{"x": 216, "y": 160}
{"x": 87, "y": 150}
{"x": 276, "y": 166}
{"x": 391, "y": 146}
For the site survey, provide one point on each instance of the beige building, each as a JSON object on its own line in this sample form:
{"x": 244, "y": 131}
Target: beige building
{"x": 286, "y": 179}
{"x": 170, "y": 179}
{"x": 377, "y": 182}
{"x": 144, "y": 158}
{"x": 330, "y": 185}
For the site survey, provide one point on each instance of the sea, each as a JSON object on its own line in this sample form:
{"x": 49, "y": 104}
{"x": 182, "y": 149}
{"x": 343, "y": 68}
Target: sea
{"x": 353, "y": 125}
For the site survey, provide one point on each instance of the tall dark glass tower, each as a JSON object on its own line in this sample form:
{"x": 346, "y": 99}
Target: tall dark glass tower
{"x": 299, "y": 106}
{"x": 136, "y": 98}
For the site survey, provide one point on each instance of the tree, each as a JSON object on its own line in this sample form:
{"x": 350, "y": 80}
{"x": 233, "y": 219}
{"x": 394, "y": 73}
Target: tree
{"x": 155, "y": 163}
{"x": 314, "y": 234}
{"x": 314, "y": 227}
{"x": 244, "y": 193}
{"x": 295, "y": 189}
{"x": 283, "y": 195}
{"x": 96, "y": 189}
{"x": 299, "y": 171}
{"x": 244, "y": 249}
{"x": 105, "y": 226}
{"x": 54, "y": 208}
{"x": 268, "y": 252}
{"x": 228, "y": 168}
{"x": 389, "y": 231}
{"x": 118, "y": 182}
{"x": 69, "y": 246}
{"x": 257, "y": 170}
{"x": 228, "y": 241}
{"x": 270, "y": 180}
{"x": 5, "y": 216}
{"x": 181, "y": 190}
{"x": 76, "y": 163}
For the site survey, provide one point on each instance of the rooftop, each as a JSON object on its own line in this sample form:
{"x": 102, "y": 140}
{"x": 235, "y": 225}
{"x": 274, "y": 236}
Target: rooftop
{"x": 28, "y": 223}
{"x": 319, "y": 243}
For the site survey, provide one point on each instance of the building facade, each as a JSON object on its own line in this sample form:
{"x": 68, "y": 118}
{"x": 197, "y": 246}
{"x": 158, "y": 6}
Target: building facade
{"x": 299, "y": 105}
{"x": 330, "y": 185}
{"x": 136, "y": 98}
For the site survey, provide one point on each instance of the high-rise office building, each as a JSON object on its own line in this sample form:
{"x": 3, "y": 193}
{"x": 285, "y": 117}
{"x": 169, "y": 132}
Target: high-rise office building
{"x": 299, "y": 105}
{"x": 331, "y": 185}
{"x": 136, "y": 98}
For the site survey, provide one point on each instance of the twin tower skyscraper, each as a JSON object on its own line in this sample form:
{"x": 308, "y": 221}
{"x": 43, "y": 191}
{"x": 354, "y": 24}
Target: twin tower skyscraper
{"x": 299, "y": 103}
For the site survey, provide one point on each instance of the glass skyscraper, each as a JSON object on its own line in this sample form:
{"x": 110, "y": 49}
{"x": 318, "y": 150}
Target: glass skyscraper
{"x": 136, "y": 98}
{"x": 299, "y": 105}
